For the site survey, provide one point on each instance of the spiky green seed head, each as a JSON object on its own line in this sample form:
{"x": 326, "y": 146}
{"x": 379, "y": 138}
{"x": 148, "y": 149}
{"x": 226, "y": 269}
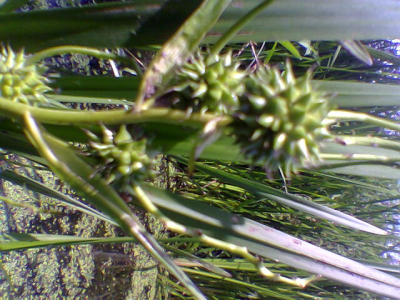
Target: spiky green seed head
{"x": 122, "y": 160}
{"x": 20, "y": 82}
{"x": 210, "y": 84}
{"x": 280, "y": 122}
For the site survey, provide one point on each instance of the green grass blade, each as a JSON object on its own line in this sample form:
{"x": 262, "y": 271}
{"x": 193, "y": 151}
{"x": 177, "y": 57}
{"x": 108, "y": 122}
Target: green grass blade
{"x": 350, "y": 152}
{"x": 264, "y": 292}
{"x": 174, "y": 13}
{"x": 369, "y": 141}
{"x": 91, "y": 100}
{"x": 179, "y": 47}
{"x": 271, "y": 243}
{"x": 13, "y": 139}
{"x": 97, "y": 86}
{"x": 354, "y": 94}
{"x": 384, "y": 55}
{"x": 326, "y": 269}
{"x": 364, "y": 185}
{"x": 29, "y": 207}
{"x": 20, "y": 241}
{"x": 79, "y": 175}
{"x": 110, "y": 25}
{"x": 281, "y": 197}
{"x": 292, "y": 20}
{"x": 347, "y": 94}
{"x": 172, "y": 140}
{"x": 292, "y": 49}
{"x": 38, "y": 187}
{"x": 176, "y": 140}
{"x": 19, "y": 145}
{"x": 115, "y": 24}
{"x": 237, "y": 26}
{"x": 270, "y": 53}
{"x": 358, "y": 50}
{"x": 103, "y": 25}
{"x": 383, "y": 267}
{"x": 362, "y": 169}
{"x": 198, "y": 262}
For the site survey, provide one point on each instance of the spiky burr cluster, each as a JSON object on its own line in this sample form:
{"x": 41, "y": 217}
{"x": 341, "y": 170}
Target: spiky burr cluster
{"x": 280, "y": 121}
{"x": 122, "y": 159}
{"x": 20, "y": 82}
{"x": 210, "y": 84}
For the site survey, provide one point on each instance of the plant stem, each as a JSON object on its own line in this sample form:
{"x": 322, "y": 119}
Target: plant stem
{"x": 110, "y": 117}
{"x": 368, "y": 141}
{"x": 299, "y": 282}
{"x": 144, "y": 200}
{"x": 27, "y": 206}
{"x": 83, "y": 50}
{"x": 364, "y": 157}
{"x": 220, "y": 44}
{"x": 344, "y": 115}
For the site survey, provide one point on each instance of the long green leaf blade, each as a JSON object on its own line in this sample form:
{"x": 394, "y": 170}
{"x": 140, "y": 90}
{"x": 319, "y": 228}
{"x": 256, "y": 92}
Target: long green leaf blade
{"x": 225, "y": 150}
{"x": 79, "y": 175}
{"x": 271, "y": 243}
{"x": 96, "y": 86}
{"x": 346, "y": 94}
{"x": 360, "y": 94}
{"x": 291, "y": 48}
{"x": 114, "y": 25}
{"x": 102, "y": 25}
{"x": 357, "y": 49}
{"x": 301, "y": 204}
{"x": 20, "y": 241}
{"x": 38, "y": 187}
{"x": 179, "y": 47}
{"x": 313, "y": 20}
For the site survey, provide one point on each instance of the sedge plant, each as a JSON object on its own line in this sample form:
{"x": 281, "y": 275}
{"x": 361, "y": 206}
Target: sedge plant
{"x": 195, "y": 104}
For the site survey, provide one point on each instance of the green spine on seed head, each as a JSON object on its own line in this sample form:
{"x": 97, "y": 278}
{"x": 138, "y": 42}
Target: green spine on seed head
{"x": 122, "y": 160}
{"x": 19, "y": 81}
{"x": 280, "y": 121}
{"x": 210, "y": 84}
